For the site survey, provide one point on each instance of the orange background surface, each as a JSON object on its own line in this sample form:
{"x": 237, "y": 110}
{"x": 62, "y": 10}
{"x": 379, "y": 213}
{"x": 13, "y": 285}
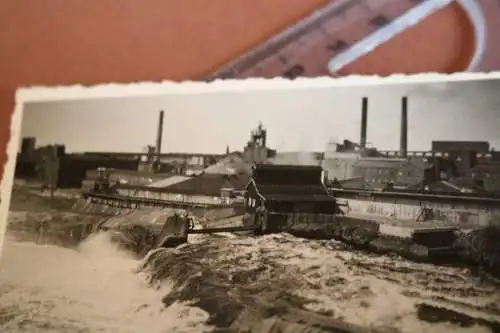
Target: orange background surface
{"x": 61, "y": 42}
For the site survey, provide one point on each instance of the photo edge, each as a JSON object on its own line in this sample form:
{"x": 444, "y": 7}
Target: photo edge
{"x": 148, "y": 88}
{"x": 7, "y": 180}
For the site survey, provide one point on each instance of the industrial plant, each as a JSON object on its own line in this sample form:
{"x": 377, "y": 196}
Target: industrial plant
{"x": 448, "y": 166}
{"x": 455, "y": 183}
{"x": 440, "y": 206}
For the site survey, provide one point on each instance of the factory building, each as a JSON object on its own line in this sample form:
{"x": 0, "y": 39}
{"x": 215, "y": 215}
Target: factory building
{"x": 463, "y": 156}
{"x": 69, "y": 171}
{"x": 340, "y": 165}
{"x": 468, "y": 164}
{"x": 256, "y": 150}
{"x": 28, "y": 147}
{"x": 383, "y": 172}
{"x": 26, "y": 163}
{"x": 449, "y": 146}
{"x": 225, "y": 180}
{"x": 340, "y": 159}
{"x": 449, "y": 166}
{"x": 487, "y": 175}
{"x": 51, "y": 166}
{"x": 219, "y": 183}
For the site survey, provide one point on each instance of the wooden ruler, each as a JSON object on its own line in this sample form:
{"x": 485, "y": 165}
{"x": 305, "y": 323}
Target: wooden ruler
{"x": 329, "y": 38}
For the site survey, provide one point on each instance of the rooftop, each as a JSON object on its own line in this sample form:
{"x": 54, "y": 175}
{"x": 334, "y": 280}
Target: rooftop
{"x": 290, "y": 183}
{"x": 287, "y": 167}
{"x": 232, "y": 164}
{"x": 169, "y": 181}
{"x": 386, "y": 162}
{"x": 208, "y": 184}
{"x": 299, "y": 197}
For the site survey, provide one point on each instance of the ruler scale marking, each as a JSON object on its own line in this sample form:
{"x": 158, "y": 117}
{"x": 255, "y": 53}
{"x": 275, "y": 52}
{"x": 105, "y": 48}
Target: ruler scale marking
{"x": 338, "y": 7}
{"x": 291, "y": 35}
{"x": 344, "y": 35}
{"x": 350, "y": 30}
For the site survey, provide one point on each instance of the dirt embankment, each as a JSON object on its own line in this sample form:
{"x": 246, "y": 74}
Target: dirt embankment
{"x": 41, "y": 218}
{"x": 32, "y": 200}
{"x": 481, "y": 247}
{"x": 66, "y": 220}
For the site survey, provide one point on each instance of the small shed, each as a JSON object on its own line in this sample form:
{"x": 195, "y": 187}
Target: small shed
{"x": 276, "y": 192}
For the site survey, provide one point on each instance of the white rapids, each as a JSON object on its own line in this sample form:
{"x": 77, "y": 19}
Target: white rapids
{"x": 44, "y": 288}
{"x": 269, "y": 284}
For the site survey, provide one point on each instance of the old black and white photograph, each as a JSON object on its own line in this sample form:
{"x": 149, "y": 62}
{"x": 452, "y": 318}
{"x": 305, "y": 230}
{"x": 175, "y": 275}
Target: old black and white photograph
{"x": 351, "y": 208}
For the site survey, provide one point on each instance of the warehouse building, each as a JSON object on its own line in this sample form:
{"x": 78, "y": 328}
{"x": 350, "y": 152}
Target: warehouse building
{"x": 390, "y": 172}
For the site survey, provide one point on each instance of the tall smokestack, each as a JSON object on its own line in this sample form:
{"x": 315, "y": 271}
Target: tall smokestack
{"x": 159, "y": 137}
{"x": 364, "y": 121}
{"x": 403, "y": 143}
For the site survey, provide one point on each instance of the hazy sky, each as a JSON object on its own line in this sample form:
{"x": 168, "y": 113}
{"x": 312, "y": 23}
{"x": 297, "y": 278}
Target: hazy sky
{"x": 303, "y": 119}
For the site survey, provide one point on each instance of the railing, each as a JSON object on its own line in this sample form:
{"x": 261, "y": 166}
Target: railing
{"x": 465, "y": 198}
{"x": 428, "y": 153}
{"x": 222, "y": 229}
{"x": 121, "y": 201}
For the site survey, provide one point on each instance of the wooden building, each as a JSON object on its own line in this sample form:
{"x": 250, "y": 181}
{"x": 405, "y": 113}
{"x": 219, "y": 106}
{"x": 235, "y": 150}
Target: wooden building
{"x": 278, "y": 193}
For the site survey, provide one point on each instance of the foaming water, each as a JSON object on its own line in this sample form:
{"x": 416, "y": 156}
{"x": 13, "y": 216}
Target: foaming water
{"x": 274, "y": 283}
{"x": 45, "y": 288}
{"x": 298, "y": 285}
